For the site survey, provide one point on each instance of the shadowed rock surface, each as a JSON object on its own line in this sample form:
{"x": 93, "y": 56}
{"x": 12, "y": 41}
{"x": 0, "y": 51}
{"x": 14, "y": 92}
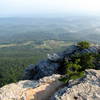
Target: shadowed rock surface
{"x": 44, "y": 68}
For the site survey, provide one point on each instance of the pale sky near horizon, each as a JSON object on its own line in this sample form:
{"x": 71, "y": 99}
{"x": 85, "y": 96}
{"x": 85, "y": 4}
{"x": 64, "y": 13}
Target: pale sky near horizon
{"x": 31, "y": 7}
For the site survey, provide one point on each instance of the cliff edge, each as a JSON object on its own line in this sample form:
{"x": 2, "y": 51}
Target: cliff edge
{"x": 50, "y": 88}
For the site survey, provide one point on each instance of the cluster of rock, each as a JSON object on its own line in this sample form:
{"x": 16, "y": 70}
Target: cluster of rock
{"x": 50, "y": 88}
{"x": 53, "y": 63}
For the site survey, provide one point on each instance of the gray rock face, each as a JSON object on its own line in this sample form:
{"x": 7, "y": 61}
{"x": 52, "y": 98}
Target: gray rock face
{"x": 29, "y": 72}
{"x": 87, "y": 88}
{"x": 92, "y": 49}
{"x": 44, "y": 68}
{"x": 70, "y": 50}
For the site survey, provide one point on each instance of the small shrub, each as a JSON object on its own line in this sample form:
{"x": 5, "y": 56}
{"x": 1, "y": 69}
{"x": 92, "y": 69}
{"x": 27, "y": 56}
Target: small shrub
{"x": 86, "y": 60}
{"x": 73, "y": 71}
{"x": 83, "y": 45}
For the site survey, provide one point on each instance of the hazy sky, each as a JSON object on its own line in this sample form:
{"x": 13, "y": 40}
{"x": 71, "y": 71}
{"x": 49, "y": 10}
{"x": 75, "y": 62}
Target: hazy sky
{"x": 40, "y": 7}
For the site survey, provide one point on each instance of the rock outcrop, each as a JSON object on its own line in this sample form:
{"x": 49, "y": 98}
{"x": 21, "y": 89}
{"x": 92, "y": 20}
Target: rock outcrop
{"x": 53, "y": 63}
{"x": 31, "y": 90}
{"x": 87, "y": 88}
{"x": 42, "y": 69}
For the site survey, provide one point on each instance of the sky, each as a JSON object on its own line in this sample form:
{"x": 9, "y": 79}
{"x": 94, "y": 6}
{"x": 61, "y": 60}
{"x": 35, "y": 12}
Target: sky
{"x": 48, "y": 7}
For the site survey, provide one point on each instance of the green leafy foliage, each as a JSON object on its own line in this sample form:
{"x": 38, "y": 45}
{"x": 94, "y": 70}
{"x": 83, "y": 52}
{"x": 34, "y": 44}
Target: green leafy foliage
{"x": 73, "y": 71}
{"x": 79, "y": 62}
{"x": 97, "y": 61}
{"x": 83, "y": 44}
{"x": 13, "y": 62}
{"x": 86, "y": 60}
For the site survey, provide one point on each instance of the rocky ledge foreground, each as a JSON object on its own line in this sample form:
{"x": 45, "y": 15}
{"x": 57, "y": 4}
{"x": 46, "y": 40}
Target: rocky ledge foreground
{"x": 50, "y": 88}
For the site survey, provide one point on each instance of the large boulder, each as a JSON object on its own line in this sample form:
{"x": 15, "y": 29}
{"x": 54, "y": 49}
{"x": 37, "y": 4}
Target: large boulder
{"x": 31, "y": 90}
{"x": 87, "y": 88}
